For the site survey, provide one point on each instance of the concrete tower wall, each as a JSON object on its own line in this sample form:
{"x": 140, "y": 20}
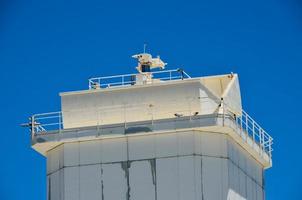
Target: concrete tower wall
{"x": 145, "y": 102}
{"x": 186, "y": 165}
{"x": 136, "y": 104}
{"x": 185, "y": 139}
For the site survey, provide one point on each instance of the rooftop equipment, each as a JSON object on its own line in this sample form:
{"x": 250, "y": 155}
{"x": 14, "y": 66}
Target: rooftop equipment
{"x": 146, "y": 63}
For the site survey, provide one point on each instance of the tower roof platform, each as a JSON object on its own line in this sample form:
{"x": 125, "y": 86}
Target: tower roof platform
{"x": 152, "y": 103}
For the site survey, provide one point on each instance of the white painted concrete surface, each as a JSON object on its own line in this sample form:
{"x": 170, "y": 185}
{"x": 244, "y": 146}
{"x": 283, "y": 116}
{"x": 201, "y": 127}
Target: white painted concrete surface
{"x": 174, "y": 163}
{"x": 146, "y": 102}
{"x": 183, "y": 165}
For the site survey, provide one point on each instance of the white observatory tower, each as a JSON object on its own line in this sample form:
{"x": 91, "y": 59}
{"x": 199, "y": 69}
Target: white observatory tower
{"x": 154, "y": 135}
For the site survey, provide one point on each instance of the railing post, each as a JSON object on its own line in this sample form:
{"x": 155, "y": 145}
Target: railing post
{"x": 151, "y": 106}
{"x": 32, "y": 128}
{"x": 247, "y": 126}
{"x": 241, "y": 123}
{"x": 60, "y": 122}
{"x": 97, "y": 123}
{"x": 261, "y": 141}
{"x": 223, "y": 112}
{"x": 125, "y": 121}
{"x": 270, "y": 147}
{"x": 264, "y": 142}
{"x": 190, "y": 110}
{"x": 253, "y": 134}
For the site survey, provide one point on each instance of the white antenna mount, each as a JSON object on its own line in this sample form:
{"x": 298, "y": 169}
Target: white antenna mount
{"x": 146, "y": 62}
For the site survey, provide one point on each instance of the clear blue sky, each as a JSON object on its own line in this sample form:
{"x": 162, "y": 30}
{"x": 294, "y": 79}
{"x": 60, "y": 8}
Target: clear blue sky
{"x": 51, "y": 46}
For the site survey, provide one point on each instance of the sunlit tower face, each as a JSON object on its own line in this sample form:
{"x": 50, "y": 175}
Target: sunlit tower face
{"x": 154, "y": 135}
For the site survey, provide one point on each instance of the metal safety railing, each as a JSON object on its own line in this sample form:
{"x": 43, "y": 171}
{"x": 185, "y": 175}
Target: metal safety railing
{"x": 245, "y": 126}
{"x": 130, "y": 79}
{"x": 46, "y": 121}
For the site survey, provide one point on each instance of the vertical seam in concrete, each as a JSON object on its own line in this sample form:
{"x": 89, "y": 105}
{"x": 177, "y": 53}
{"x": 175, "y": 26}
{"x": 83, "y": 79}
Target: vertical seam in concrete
{"x": 127, "y": 169}
{"x": 229, "y": 170}
{"x": 62, "y": 186}
{"x": 178, "y": 173}
{"x": 194, "y": 168}
{"x": 263, "y": 184}
{"x": 245, "y": 182}
{"x": 202, "y": 189}
{"x": 222, "y": 177}
{"x": 194, "y": 163}
{"x": 221, "y": 168}
{"x": 79, "y": 171}
{"x": 128, "y": 179}
{"x": 102, "y": 182}
{"x": 125, "y": 166}
{"x": 154, "y": 179}
{"x": 49, "y": 188}
{"x": 238, "y": 173}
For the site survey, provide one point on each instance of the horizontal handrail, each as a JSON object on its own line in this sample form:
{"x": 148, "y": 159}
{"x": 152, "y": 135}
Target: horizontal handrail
{"x": 252, "y": 129}
{"x": 128, "y": 79}
{"x": 245, "y": 125}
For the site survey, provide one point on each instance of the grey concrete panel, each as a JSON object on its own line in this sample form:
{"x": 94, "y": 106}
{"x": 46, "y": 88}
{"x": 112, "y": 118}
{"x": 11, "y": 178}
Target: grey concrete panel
{"x": 166, "y": 144}
{"x": 215, "y": 178}
{"x": 90, "y": 182}
{"x": 185, "y": 143}
{"x": 114, "y": 182}
{"x": 90, "y": 152}
{"x": 141, "y": 147}
{"x": 213, "y": 144}
{"x": 114, "y": 150}
{"x": 71, "y": 154}
{"x": 72, "y": 183}
{"x": 167, "y": 178}
{"x": 186, "y": 178}
{"x": 142, "y": 180}
{"x": 54, "y": 159}
{"x": 56, "y": 186}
